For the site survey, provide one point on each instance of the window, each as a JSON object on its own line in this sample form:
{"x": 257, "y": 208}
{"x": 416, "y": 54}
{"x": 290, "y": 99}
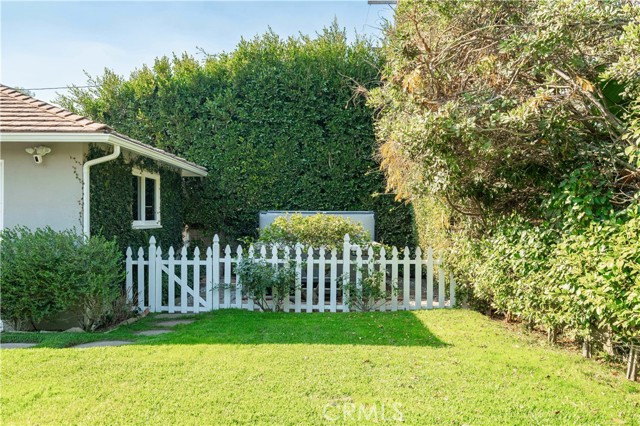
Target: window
{"x": 146, "y": 200}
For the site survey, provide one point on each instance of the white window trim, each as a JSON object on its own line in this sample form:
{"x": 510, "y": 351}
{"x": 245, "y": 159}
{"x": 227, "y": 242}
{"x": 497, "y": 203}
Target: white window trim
{"x": 147, "y": 224}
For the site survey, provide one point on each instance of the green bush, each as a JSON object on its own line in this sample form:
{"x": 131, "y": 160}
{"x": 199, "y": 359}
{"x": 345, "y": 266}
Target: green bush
{"x": 367, "y": 293}
{"x": 47, "y": 272}
{"x": 583, "y": 281}
{"x": 319, "y": 230}
{"x": 39, "y": 274}
{"x": 259, "y": 279}
{"x": 99, "y": 284}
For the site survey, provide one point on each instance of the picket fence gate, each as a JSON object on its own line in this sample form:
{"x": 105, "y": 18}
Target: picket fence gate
{"x": 179, "y": 283}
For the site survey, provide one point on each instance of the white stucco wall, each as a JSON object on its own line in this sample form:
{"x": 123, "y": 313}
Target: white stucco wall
{"x": 45, "y": 194}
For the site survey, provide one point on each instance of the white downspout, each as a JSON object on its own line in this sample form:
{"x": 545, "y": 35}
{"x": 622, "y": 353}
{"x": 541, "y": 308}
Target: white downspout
{"x": 86, "y": 226}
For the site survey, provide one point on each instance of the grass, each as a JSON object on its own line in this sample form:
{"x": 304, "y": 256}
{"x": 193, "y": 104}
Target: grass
{"x": 232, "y": 367}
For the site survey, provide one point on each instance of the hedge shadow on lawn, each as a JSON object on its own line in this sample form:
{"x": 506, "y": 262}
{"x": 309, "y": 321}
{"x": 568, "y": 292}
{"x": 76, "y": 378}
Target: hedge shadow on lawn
{"x": 233, "y": 326}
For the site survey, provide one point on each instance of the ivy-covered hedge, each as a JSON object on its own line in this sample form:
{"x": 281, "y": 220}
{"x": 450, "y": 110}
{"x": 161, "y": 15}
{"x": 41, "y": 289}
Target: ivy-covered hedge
{"x": 276, "y": 122}
{"x": 112, "y": 195}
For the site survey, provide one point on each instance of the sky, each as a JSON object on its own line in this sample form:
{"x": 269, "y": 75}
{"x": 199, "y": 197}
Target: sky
{"x": 52, "y": 44}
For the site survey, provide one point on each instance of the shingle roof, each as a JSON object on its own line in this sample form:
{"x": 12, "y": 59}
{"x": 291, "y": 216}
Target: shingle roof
{"x": 22, "y": 113}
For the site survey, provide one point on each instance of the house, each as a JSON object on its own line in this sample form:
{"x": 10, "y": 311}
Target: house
{"x": 48, "y": 156}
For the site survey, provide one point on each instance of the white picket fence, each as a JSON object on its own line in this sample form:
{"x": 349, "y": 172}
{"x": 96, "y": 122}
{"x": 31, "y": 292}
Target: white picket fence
{"x": 179, "y": 283}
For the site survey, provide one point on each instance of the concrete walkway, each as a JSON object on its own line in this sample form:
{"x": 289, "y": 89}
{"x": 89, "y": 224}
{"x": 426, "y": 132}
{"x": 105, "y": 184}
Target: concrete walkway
{"x": 174, "y": 323}
{"x": 173, "y": 316}
{"x": 16, "y": 345}
{"x": 102, "y": 343}
{"x": 155, "y": 332}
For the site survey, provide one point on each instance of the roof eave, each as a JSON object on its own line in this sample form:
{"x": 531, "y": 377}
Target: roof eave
{"x": 187, "y": 169}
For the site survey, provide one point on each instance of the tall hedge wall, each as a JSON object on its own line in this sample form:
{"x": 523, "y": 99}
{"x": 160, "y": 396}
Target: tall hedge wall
{"x": 112, "y": 195}
{"x": 276, "y": 122}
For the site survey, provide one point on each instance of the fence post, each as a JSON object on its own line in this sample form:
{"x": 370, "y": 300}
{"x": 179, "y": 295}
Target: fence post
{"x": 383, "y": 284}
{"x": 196, "y": 280}
{"x": 184, "y": 276}
{"x": 452, "y": 290}
{"x": 346, "y": 271}
{"x": 141, "y": 274}
{"x": 310, "y": 279}
{"x": 215, "y": 259}
{"x": 394, "y": 279}
{"x": 239, "y": 283}
{"x": 227, "y": 277}
{"x": 440, "y": 282}
{"x": 406, "y": 265}
{"x": 172, "y": 280}
{"x": 209, "y": 280}
{"x": 333, "y": 280}
{"x": 287, "y": 298}
{"x": 359, "y": 267}
{"x": 418, "y": 279}
{"x": 430, "y": 278}
{"x": 275, "y": 265}
{"x": 321, "y": 279}
{"x": 153, "y": 284}
{"x": 129, "y": 282}
{"x": 158, "y": 279}
{"x": 298, "y": 291}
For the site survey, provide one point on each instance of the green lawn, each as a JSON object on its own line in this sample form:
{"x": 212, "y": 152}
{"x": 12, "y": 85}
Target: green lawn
{"x": 435, "y": 367}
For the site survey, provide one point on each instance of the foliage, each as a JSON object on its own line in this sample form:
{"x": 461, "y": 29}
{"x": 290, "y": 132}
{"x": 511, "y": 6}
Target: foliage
{"x": 47, "y": 272}
{"x": 275, "y": 122}
{"x": 514, "y": 127}
{"x": 112, "y": 195}
{"x": 368, "y": 293}
{"x": 537, "y": 91}
{"x": 259, "y": 279}
{"x": 433, "y": 222}
{"x": 99, "y": 288}
{"x": 585, "y": 282}
{"x": 39, "y": 275}
{"x": 319, "y": 230}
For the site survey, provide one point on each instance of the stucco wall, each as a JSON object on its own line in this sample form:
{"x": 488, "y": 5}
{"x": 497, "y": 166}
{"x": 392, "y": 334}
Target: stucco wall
{"x": 44, "y": 194}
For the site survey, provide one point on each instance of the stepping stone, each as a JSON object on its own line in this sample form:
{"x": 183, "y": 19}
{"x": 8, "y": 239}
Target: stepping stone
{"x": 170, "y": 316}
{"x": 173, "y": 323}
{"x": 102, "y": 343}
{"x": 152, "y": 332}
{"x": 16, "y": 345}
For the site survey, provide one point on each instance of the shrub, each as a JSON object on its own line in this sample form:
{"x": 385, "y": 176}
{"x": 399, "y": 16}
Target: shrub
{"x": 319, "y": 230}
{"x": 258, "y": 279}
{"x": 46, "y": 272}
{"x": 99, "y": 283}
{"x": 367, "y": 293}
{"x": 39, "y": 274}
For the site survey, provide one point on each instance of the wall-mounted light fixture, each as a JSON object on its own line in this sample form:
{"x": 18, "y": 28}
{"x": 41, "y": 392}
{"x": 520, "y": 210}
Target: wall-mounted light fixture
{"x": 38, "y": 153}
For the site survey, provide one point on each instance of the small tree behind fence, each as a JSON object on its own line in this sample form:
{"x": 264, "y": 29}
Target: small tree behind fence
{"x": 324, "y": 280}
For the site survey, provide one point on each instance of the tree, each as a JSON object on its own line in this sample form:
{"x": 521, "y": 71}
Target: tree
{"x": 275, "y": 122}
{"x": 514, "y": 128}
{"x": 489, "y": 105}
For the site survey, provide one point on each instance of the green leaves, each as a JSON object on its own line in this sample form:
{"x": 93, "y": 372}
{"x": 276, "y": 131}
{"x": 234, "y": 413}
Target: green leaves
{"x": 258, "y": 278}
{"x": 45, "y": 272}
{"x": 319, "y": 230}
{"x": 495, "y": 116}
{"x": 276, "y": 122}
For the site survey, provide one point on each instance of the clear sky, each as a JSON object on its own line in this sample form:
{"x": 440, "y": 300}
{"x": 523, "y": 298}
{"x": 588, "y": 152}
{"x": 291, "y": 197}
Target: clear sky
{"x": 52, "y": 44}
